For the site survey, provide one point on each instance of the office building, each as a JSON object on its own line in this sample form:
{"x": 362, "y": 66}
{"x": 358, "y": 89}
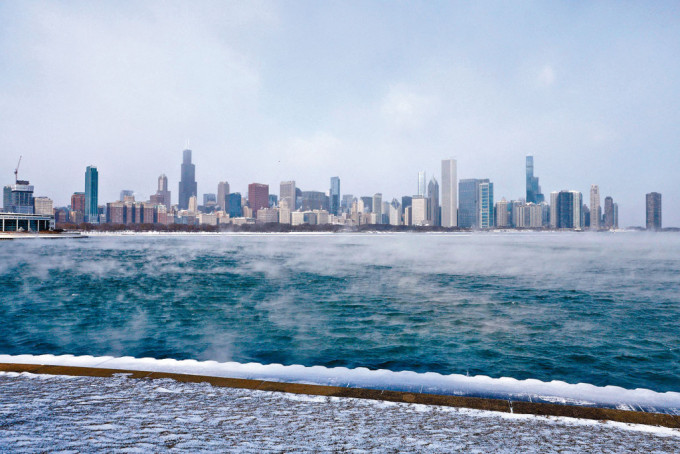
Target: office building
{"x": 222, "y": 193}
{"x": 567, "y": 209}
{"x": 449, "y": 214}
{"x": 234, "y": 205}
{"x": 608, "y": 213}
{"x": 43, "y": 206}
{"x": 334, "y": 196}
{"x": 422, "y": 183}
{"x": 18, "y": 197}
{"x": 653, "y": 204}
{"x": 468, "y": 190}
{"x": 78, "y": 202}
{"x": 595, "y": 209}
{"x": 258, "y": 197}
{"x": 314, "y": 200}
{"x": 419, "y": 210}
{"x": 395, "y": 212}
{"x": 91, "y": 213}
{"x": 162, "y": 196}
{"x": 405, "y": 202}
{"x": 209, "y": 199}
{"x": 485, "y": 200}
{"x": 346, "y": 204}
{"x": 187, "y": 183}
{"x": 534, "y": 194}
{"x": 502, "y": 218}
{"x": 193, "y": 205}
{"x": 367, "y": 205}
{"x": 377, "y": 208}
{"x": 287, "y": 193}
{"x": 433, "y": 208}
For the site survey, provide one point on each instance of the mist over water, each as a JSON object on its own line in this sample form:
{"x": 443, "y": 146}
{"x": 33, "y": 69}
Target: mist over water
{"x": 594, "y": 308}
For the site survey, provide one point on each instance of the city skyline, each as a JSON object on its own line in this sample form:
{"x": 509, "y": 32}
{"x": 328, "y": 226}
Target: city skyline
{"x": 370, "y": 103}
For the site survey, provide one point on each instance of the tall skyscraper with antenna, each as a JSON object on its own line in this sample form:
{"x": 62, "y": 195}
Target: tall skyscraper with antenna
{"x": 187, "y": 184}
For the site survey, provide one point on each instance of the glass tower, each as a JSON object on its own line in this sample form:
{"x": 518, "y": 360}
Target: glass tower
{"x": 187, "y": 184}
{"x": 533, "y": 188}
{"x": 91, "y": 213}
{"x": 335, "y": 196}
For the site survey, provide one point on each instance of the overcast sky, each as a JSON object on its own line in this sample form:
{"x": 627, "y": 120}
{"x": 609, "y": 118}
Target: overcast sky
{"x": 371, "y": 92}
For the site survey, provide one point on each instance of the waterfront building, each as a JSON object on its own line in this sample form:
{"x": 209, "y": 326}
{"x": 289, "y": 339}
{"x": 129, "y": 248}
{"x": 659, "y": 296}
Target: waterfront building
{"x": 568, "y": 209}
{"x": 209, "y": 199}
{"x": 91, "y": 212}
{"x": 408, "y": 220}
{"x": 287, "y": 194}
{"x": 207, "y": 219}
{"x": 616, "y": 215}
{"x": 449, "y": 211}
{"x": 519, "y": 215}
{"x": 222, "y": 193}
{"x": 405, "y": 202}
{"x": 485, "y": 201}
{"x": 534, "y": 194}
{"x": 501, "y": 215}
{"x": 468, "y": 190}
{"x": 395, "y": 212}
{"x": 334, "y": 196}
{"x": 273, "y": 201}
{"x": 433, "y": 208}
{"x": 234, "y": 205}
{"x": 377, "y": 208}
{"x": 258, "y": 197}
{"x": 419, "y": 210}
{"x": 595, "y": 209}
{"x": 187, "y": 183}
{"x": 25, "y": 222}
{"x": 43, "y": 206}
{"x": 553, "y": 209}
{"x": 653, "y": 211}
{"x": 422, "y": 182}
{"x": 322, "y": 217}
{"x": 18, "y": 197}
{"x": 608, "y": 213}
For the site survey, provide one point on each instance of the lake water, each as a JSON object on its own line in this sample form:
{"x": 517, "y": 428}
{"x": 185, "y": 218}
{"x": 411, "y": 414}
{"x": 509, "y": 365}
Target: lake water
{"x": 593, "y": 308}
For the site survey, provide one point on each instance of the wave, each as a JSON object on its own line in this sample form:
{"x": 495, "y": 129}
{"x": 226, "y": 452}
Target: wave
{"x": 531, "y": 390}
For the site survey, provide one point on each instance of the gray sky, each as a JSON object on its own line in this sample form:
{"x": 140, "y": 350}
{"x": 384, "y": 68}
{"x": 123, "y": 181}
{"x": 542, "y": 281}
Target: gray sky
{"x": 369, "y": 91}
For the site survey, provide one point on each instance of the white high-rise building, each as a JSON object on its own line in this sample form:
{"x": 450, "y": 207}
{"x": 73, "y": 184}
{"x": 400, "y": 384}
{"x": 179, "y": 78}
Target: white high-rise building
{"x": 449, "y": 200}
{"x": 595, "y": 210}
{"x": 419, "y": 210}
{"x": 377, "y": 207}
{"x": 222, "y": 194}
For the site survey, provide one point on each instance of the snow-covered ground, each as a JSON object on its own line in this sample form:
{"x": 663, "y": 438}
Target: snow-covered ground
{"x": 41, "y": 413}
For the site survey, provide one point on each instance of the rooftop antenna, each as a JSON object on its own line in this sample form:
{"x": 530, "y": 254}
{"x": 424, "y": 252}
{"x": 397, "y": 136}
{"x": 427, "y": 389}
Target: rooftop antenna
{"x": 16, "y": 171}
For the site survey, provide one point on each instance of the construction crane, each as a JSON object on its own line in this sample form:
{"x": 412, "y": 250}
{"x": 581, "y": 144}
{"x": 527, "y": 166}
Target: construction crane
{"x": 16, "y": 171}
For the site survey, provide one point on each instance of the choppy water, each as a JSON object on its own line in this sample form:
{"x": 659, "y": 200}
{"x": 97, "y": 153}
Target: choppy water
{"x": 594, "y": 308}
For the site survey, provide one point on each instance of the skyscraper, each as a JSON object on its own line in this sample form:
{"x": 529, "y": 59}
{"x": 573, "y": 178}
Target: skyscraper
{"x": 653, "y": 211}
{"x": 533, "y": 188}
{"x": 568, "y": 209}
{"x": 422, "y": 182}
{"x": 335, "y": 196}
{"x": 449, "y": 214}
{"x": 287, "y": 193}
{"x": 433, "y": 208}
{"x": 187, "y": 184}
{"x": 91, "y": 213}
{"x": 163, "y": 196}
{"x": 485, "y": 213}
{"x": 258, "y": 197}
{"x": 595, "y": 210}
{"x": 468, "y": 191}
{"x": 377, "y": 207}
{"x": 18, "y": 197}
{"x": 222, "y": 193}
{"x": 608, "y": 213}
{"x": 234, "y": 205}
{"x": 418, "y": 210}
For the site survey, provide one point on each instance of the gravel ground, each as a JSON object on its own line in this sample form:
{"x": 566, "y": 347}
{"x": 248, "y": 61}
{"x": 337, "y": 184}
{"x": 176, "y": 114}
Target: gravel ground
{"x": 40, "y": 413}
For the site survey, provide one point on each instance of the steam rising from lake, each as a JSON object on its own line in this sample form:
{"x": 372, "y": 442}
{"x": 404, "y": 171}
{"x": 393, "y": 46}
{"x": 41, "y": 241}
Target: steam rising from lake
{"x": 595, "y": 308}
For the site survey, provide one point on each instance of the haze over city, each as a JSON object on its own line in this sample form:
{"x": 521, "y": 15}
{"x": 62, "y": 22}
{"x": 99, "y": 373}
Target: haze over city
{"x": 271, "y": 92}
